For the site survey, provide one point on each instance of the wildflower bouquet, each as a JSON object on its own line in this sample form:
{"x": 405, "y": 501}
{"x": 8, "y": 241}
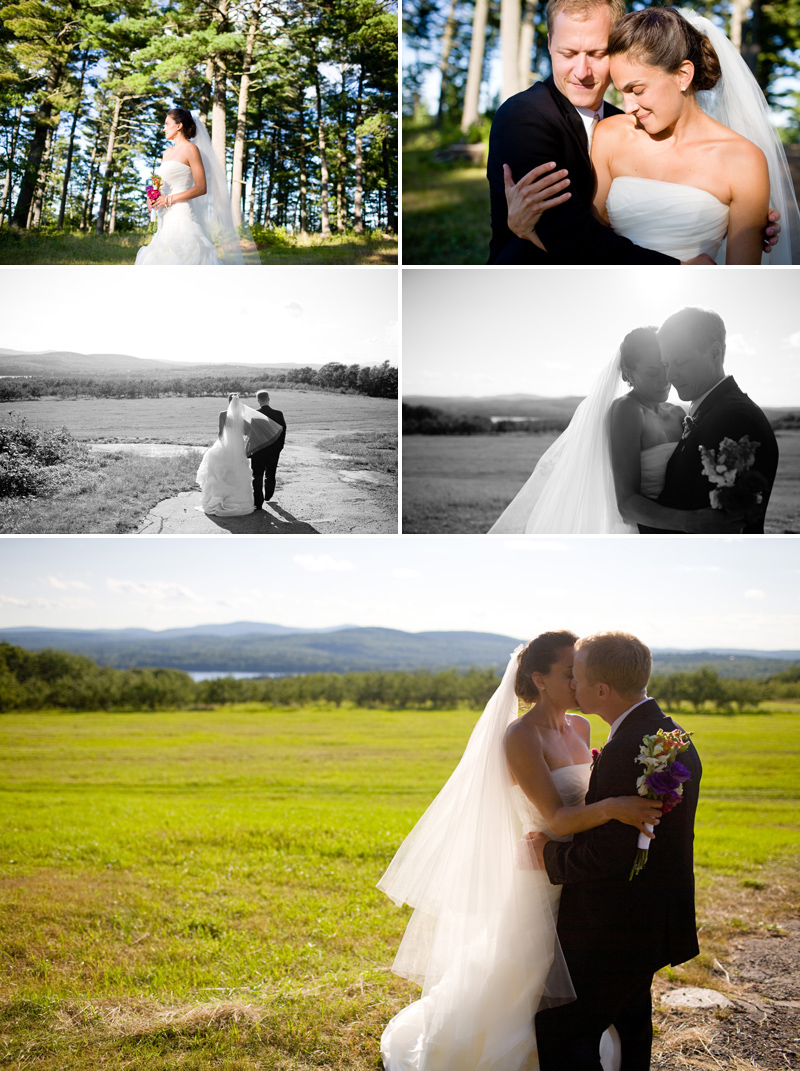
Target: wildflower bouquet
{"x": 729, "y": 469}
{"x": 153, "y": 192}
{"x": 663, "y": 779}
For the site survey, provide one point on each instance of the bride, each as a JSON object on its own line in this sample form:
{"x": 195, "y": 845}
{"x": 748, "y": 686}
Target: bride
{"x": 482, "y": 937}
{"x": 195, "y": 223}
{"x": 600, "y": 476}
{"x": 695, "y": 157}
{"x": 225, "y": 476}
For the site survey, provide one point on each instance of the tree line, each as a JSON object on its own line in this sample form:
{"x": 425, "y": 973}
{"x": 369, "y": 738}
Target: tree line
{"x": 456, "y": 43}
{"x": 379, "y": 381}
{"x": 427, "y": 420}
{"x": 299, "y": 98}
{"x": 44, "y": 680}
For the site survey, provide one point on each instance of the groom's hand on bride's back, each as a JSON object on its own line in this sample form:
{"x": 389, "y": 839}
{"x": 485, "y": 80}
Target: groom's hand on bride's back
{"x": 535, "y": 192}
{"x": 772, "y": 230}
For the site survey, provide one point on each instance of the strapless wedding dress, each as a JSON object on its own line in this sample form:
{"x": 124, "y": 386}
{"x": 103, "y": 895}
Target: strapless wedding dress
{"x": 179, "y": 239}
{"x": 654, "y": 463}
{"x": 226, "y": 481}
{"x": 680, "y": 221}
{"x": 479, "y": 1017}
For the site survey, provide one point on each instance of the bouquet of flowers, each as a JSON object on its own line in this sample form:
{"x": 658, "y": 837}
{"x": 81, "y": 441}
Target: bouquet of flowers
{"x": 153, "y": 192}
{"x": 729, "y": 469}
{"x": 663, "y": 779}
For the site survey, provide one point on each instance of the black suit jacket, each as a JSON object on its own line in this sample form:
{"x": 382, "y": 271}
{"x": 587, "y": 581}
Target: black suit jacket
{"x": 726, "y": 412}
{"x": 605, "y": 921}
{"x": 532, "y": 128}
{"x": 274, "y": 448}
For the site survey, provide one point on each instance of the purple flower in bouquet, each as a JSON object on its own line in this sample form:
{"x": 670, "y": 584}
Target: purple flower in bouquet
{"x": 666, "y": 783}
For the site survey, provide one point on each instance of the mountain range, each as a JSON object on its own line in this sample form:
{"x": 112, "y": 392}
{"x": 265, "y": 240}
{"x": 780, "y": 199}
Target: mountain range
{"x": 253, "y": 647}
{"x": 69, "y": 363}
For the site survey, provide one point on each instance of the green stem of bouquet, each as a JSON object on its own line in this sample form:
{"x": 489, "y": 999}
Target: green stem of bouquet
{"x": 639, "y": 863}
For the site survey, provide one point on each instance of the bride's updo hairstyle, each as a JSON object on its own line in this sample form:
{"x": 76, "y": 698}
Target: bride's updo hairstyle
{"x": 180, "y": 115}
{"x": 639, "y": 343}
{"x": 538, "y": 657}
{"x": 661, "y": 37}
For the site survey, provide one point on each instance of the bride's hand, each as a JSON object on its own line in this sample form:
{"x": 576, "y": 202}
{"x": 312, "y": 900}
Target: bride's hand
{"x": 772, "y": 231}
{"x": 636, "y": 811}
{"x": 529, "y": 198}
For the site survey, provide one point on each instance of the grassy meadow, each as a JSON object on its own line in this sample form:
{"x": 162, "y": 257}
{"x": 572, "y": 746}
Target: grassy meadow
{"x": 462, "y": 483}
{"x": 195, "y": 421}
{"x": 274, "y": 247}
{"x": 197, "y": 889}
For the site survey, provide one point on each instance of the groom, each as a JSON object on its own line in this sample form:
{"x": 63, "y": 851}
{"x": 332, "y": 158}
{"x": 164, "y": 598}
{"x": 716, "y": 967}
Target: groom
{"x": 615, "y": 933}
{"x": 553, "y": 121}
{"x": 264, "y": 462}
{"x": 692, "y": 344}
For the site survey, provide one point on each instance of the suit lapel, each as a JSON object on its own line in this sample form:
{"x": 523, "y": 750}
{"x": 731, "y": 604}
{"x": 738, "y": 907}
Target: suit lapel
{"x": 721, "y": 391}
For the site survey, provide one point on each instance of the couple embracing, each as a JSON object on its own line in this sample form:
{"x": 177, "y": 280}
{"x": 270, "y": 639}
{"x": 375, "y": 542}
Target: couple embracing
{"x": 237, "y": 473}
{"x": 691, "y": 172}
{"x": 534, "y": 941}
{"x": 633, "y": 462}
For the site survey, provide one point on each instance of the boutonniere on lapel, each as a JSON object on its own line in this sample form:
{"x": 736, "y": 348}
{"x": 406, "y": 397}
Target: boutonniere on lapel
{"x": 596, "y": 753}
{"x": 689, "y": 424}
{"x": 728, "y": 468}
{"x": 663, "y": 779}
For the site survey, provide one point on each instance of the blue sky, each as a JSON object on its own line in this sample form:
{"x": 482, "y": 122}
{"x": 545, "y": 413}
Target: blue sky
{"x": 488, "y": 331}
{"x": 672, "y": 591}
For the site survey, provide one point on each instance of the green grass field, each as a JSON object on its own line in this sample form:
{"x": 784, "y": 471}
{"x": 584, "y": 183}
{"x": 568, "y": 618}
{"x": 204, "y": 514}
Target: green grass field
{"x": 462, "y": 483}
{"x": 76, "y": 247}
{"x": 194, "y": 421}
{"x": 197, "y": 889}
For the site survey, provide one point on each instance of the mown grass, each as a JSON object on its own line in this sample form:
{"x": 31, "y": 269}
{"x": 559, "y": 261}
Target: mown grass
{"x": 103, "y": 494}
{"x": 376, "y": 451}
{"x": 197, "y": 889}
{"x": 446, "y": 217}
{"x": 76, "y": 247}
{"x": 462, "y": 483}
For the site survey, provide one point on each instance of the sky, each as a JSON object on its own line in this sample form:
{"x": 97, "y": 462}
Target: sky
{"x": 240, "y": 316}
{"x": 679, "y": 592}
{"x": 501, "y": 331}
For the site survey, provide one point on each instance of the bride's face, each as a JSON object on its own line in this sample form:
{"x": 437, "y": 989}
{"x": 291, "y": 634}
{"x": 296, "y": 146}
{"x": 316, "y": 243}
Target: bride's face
{"x": 556, "y": 684}
{"x": 171, "y": 128}
{"x": 655, "y": 98}
{"x": 648, "y": 378}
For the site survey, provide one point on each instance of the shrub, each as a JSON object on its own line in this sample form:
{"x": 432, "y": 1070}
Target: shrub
{"x": 29, "y": 455}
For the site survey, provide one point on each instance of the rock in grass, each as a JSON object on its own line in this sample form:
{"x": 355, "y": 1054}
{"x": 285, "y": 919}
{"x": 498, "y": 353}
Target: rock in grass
{"x": 692, "y": 997}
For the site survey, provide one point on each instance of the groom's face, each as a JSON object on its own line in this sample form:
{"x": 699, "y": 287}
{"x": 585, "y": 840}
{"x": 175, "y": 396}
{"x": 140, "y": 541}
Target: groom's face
{"x": 579, "y": 57}
{"x": 692, "y": 369}
{"x": 585, "y": 693}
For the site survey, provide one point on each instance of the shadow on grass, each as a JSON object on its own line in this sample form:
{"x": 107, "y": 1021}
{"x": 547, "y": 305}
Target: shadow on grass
{"x": 75, "y": 247}
{"x": 445, "y": 205}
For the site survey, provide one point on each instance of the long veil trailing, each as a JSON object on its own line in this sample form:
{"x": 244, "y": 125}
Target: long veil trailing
{"x": 224, "y": 475}
{"x": 213, "y": 209}
{"x": 737, "y": 101}
{"x": 260, "y": 429}
{"x": 571, "y": 490}
{"x": 481, "y": 940}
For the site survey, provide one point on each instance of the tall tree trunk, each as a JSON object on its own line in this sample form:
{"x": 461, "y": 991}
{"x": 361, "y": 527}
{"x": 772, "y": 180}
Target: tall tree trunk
{"x": 444, "y": 61}
{"x": 109, "y": 167}
{"x": 218, "y": 116}
{"x": 273, "y": 158}
{"x": 71, "y": 146}
{"x": 475, "y": 73}
{"x": 37, "y": 147}
{"x": 358, "y": 192}
{"x": 112, "y": 224}
{"x": 738, "y": 15}
{"x": 88, "y": 197}
{"x": 6, "y": 198}
{"x": 303, "y": 167}
{"x": 341, "y": 157}
{"x": 391, "y": 204}
{"x": 251, "y": 208}
{"x": 323, "y": 159}
{"x": 237, "y": 183}
{"x": 37, "y": 207}
{"x": 526, "y": 37}
{"x": 205, "y": 93}
{"x": 509, "y": 45}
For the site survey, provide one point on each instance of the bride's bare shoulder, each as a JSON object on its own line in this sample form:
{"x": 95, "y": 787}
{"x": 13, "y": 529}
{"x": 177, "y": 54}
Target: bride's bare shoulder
{"x": 613, "y": 128}
{"x": 581, "y": 726}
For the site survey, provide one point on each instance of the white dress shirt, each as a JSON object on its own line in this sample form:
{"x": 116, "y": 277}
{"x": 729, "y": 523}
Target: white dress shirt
{"x": 590, "y": 119}
{"x": 622, "y": 717}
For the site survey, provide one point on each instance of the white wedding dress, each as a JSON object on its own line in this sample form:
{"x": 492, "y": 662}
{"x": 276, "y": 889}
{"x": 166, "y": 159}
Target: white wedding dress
{"x": 225, "y": 476}
{"x": 679, "y": 221}
{"x": 179, "y": 239}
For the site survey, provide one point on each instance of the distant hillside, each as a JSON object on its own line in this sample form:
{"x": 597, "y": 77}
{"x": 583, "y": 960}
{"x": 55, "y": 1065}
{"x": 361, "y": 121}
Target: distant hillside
{"x": 247, "y": 647}
{"x": 67, "y": 363}
{"x": 511, "y": 405}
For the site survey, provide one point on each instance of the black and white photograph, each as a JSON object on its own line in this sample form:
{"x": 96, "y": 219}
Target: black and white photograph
{"x": 235, "y": 408}
{"x": 623, "y": 402}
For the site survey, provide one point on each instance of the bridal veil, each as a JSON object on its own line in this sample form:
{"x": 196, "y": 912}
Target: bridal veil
{"x": 213, "y": 209}
{"x": 571, "y": 490}
{"x": 481, "y": 940}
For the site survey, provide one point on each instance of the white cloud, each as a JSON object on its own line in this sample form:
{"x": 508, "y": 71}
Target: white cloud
{"x": 793, "y": 341}
{"x": 737, "y": 345}
{"x": 155, "y": 590}
{"x": 405, "y": 574}
{"x": 65, "y": 585}
{"x": 322, "y": 563}
{"x": 536, "y": 545}
{"x": 11, "y": 601}
{"x": 754, "y": 593}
